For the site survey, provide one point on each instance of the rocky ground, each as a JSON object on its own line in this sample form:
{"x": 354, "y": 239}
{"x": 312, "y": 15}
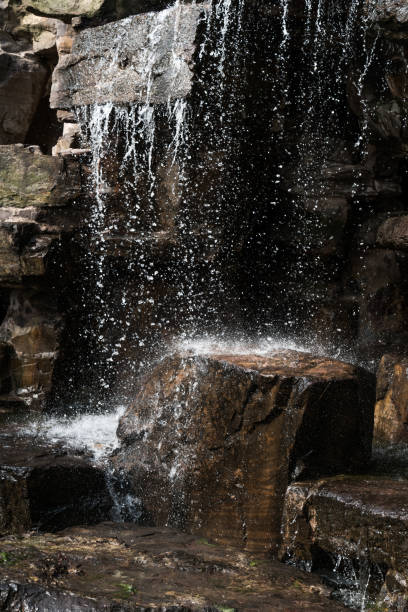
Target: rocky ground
{"x": 114, "y": 567}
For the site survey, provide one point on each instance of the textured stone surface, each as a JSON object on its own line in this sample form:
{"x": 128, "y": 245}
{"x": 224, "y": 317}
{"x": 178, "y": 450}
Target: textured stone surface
{"x": 114, "y": 567}
{"x": 390, "y": 10}
{"x": 44, "y": 487}
{"x": 115, "y": 62}
{"x": 87, "y": 8}
{"x": 29, "y": 178}
{"x": 391, "y": 410}
{"x": 211, "y": 442}
{"x": 359, "y": 519}
{"x": 393, "y": 233}
{"x": 21, "y": 86}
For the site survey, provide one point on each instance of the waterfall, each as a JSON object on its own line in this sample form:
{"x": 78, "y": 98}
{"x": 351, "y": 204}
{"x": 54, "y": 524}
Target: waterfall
{"x": 166, "y": 173}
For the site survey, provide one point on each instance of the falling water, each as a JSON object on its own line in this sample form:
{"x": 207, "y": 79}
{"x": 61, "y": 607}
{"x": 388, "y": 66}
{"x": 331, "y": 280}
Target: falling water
{"x": 192, "y": 145}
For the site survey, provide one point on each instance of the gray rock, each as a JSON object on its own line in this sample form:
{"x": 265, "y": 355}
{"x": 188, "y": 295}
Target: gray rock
{"x": 143, "y": 58}
{"x": 385, "y": 10}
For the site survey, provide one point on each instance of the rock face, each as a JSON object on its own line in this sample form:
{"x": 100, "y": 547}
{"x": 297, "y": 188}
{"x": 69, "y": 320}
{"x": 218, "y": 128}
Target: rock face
{"x": 391, "y": 410}
{"x": 45, "y": 488}
{"x": 211, "y": 442}
{"x": 28, "y": 178}
{"x": 114, "y": 567}
{"x": 21, "y": 87}
{"x": 364, "y": 520}
{"x": 35, "y": 193}
{"x": 146, "y": 57}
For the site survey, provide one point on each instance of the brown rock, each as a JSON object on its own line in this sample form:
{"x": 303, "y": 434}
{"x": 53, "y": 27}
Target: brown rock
{"x": 44, "y": 487}
{"x": 113, "y": 567}
{"x": 31, "y": 329}
{"x": 391, "y": 410}
{"x": 360, "y": 519}
{"x": 393, "y": 233}
{"x": 211, "y": 442}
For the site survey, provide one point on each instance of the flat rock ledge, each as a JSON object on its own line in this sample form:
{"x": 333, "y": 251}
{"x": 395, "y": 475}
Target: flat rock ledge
{"x": 211, "y": 442}
{"x": 352, "y": 522}
{"x": 119, "y": 567}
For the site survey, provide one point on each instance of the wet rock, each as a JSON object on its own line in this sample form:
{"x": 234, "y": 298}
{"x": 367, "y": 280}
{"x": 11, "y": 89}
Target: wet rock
{"x": 43, "y": 487}
{"x": 390, "y": 10}
{"x": 211, "y": 441}
{"x": 29, "y": 178}
{"x": 391, "y": 410}
{"x": 109, "y": 64}
{"x": 113, "y": 567}
{"x": 362, "y": 520}
{"x": 31, "y": 330}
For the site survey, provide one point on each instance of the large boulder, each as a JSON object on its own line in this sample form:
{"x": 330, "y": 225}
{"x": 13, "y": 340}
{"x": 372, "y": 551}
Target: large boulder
{"x": 145, "y": 57}
{"x": 118, "y": 567}
{"x": 351, "y": 525}
{"x": 211, "y": 441}
{"x": 391, "y": 410}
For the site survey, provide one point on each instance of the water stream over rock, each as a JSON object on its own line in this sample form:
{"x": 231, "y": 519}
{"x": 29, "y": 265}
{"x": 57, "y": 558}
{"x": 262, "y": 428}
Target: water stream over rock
{"x": 197, "y": 289}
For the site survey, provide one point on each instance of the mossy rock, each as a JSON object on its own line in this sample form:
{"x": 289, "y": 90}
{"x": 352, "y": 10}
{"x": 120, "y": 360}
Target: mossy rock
{"x": 29, "y": 178}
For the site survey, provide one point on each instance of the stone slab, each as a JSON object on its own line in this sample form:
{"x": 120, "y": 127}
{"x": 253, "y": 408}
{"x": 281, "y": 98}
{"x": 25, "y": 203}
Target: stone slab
{"x": 362, "y": 521}
{"x": 144, "y": 58}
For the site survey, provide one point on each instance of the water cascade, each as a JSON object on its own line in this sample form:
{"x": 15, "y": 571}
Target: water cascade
{"x": 205, "y": 295}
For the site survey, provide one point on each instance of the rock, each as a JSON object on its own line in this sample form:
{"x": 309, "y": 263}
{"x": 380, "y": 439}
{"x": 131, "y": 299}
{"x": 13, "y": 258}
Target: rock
{"x": 68, "y": 140}
{"x": 363, "y": 520}
{"x": 45, "y": 488}
{"x": 390, "y": 10}
{"x": 43, "y": 32}
{"x": 87, "y": 8}
{"x": 29, "y": 178}
{"x": 391, "y": 410}
{"x": 211, "y": 441}
{"x": 118, "y": 567}
{"x": 383, "y": 304}
{"x": 112, "y": 63}
{"x": 31, "y": 329}
{"x": 393, "y": 233}
{"x": 21, "y": 86}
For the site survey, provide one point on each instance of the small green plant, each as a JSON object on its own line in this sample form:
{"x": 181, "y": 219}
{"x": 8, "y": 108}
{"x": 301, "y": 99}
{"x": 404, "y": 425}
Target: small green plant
{"x": 222, "y": 609}
{"x": 298, "y": 584}
{"x": 253, "y": 563}
{"x": 4, "y": 557}
{"x": 127, "y": 589}
{"x": 206, "y": 542}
